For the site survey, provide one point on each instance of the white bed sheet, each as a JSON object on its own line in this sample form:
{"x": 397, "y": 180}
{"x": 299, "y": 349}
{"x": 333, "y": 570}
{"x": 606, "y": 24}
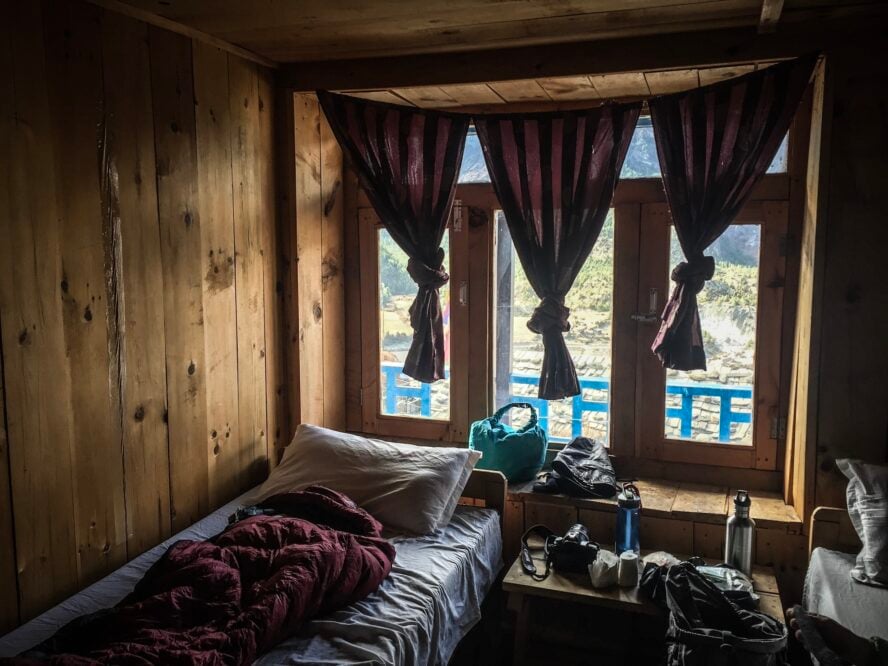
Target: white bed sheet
{"x": 418, "y": 615}
{"x": 830, "y": 591}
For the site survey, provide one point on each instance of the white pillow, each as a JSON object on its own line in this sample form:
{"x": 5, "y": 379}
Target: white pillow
{"x": 409, "y": 488}
{"x": 867, "y": 496}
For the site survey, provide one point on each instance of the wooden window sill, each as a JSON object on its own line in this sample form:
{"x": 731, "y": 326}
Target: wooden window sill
{"x": 680, "y": 501}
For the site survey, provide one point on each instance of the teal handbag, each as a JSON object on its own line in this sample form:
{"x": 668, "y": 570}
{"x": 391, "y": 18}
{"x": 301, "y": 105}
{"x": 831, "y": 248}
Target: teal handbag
{"x": 517, "y": 453}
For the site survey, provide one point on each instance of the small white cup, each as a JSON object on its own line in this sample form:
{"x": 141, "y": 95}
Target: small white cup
{"x": 628, "y": 573}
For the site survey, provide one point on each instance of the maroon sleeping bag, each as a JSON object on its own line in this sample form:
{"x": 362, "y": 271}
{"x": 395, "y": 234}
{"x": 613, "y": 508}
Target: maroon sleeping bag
{"x": 230, "y": 598}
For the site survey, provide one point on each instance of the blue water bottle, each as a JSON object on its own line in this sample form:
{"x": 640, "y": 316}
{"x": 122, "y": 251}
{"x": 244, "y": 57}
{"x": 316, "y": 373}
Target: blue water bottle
{"x": 628, "y": 517}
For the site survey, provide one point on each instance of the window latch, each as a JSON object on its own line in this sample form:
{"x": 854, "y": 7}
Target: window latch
{"x": 651, "y": 316}
{"x": 463, "y": 293}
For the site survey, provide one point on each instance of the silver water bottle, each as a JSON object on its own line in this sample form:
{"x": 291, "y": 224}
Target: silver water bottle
{"x": 740, "y": 537}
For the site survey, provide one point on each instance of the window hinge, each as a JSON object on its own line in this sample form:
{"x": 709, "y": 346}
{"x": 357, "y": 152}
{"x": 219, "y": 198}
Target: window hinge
{"x": 778, "y": 427}
{"x": 361, "y": 396}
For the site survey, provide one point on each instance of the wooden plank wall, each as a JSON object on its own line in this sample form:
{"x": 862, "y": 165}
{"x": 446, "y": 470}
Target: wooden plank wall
{"x": 143, "y": 370}
{"x": 313, "y": 238}
{"x": 852, "y": 418}
{"x": 841, "y": 364}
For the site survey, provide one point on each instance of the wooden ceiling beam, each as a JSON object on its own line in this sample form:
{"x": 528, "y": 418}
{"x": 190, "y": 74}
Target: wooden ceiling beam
{"x": 771, "y": 10}
{"x": 634, "y": 54}
{"x": 174, "y": 26}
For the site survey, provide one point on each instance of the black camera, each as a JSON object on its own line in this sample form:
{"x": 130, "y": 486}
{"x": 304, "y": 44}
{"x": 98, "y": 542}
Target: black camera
{"x": 573, "y": 552}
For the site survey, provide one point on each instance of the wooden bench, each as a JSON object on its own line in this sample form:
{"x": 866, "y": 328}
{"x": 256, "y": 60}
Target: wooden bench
{"x": 522, "y": 590}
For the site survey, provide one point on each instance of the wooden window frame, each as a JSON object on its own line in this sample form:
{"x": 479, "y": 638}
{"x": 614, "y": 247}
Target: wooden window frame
{"x": 469, "y": 284}
{"x": 636, "y": 378}
{"x": 654, "y": 268}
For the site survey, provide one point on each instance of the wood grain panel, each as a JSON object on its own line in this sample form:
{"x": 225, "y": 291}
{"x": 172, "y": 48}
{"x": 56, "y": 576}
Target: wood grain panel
{"x": 9, "y": 599}
{"x": 775, "y": 215}
{"x": 214, "y": 186}
{"x": 799, "y": 484}
{"x": 329, "y": 31}
{"x": 352, "y": 269}
{"x": 309, "y": 257}
{"x": 130, "y": 194}
{"x": 673, "y": 536}
{"x": 568, "y": 88}
{"x": 651, "y": 378}
{"x": 428, "y": 97}
{"x": 678, "y": 80}
{"x": 332, "y": 277}
{"x": 558, "y": 518}
{"x": 182, "y": 256}
{"x": 9, "y": 602}
{"x": 472, "y": 93}
{"x": 105, "y": 351}
{"x": 36, "y": 373}
{"x": 275, "y": 353}
{"x": 624, "y": 341}
{"x": 629, "y": 84}
{"x": 249, "y": 272}
{"x": 852, "y": 419}
{"x": 527, "y": 90}
{"x": 711, "y": 75}
{"x": 90, "y": 290}
{"x": 709, "y": 540}
{"x": 701, "y": 503}
{"x": 285, "y": 124}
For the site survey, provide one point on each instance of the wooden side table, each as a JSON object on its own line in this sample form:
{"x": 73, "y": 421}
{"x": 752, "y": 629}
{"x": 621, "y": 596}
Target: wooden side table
{"x": 522, "y": 589}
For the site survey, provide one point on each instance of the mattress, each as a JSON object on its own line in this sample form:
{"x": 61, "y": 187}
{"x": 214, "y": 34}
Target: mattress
{"x": 830, "y": 591}
{"x": 418, "y": 616}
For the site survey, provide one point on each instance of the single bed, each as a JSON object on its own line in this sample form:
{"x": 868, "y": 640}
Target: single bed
{"x": 829, "y": 588}
{"x": 429, "y": 602}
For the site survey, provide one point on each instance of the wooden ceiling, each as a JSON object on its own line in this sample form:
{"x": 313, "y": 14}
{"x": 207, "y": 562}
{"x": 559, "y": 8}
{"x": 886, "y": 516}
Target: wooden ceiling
{"x": 565, "y": 91}
{"x": 316, "y": 30}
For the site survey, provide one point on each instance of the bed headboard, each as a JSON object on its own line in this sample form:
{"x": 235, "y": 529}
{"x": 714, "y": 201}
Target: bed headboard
{"x": 486, "y": 488}
{"x": 831, "y": 528}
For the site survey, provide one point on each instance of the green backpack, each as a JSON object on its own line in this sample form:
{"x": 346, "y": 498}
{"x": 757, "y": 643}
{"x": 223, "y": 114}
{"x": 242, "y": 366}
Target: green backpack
{"x": 517, "y": 453}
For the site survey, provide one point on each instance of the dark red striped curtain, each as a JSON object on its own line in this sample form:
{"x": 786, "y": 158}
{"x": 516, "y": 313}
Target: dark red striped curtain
{"x": 408, "y": 162}
{"x": 714, "y": 144}
{"x": 554, "y": 175}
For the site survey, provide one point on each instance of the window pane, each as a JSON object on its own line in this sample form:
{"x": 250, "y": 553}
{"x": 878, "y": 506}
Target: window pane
{"x": 473, "y": 168}
{"x": 715, "y": 405}
{"x": 641, "y": 157}
{"x": 400, "y": 395}
{"x": 642, "y": 161}
{"x": 778, "y": 164}
{"x": 519, "y": 352}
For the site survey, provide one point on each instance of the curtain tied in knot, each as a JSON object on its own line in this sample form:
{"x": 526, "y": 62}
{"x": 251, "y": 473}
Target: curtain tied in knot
{"x": 695, "y": 272}
{"x": 550, "y": 315}
{"x": 426, "y": 276}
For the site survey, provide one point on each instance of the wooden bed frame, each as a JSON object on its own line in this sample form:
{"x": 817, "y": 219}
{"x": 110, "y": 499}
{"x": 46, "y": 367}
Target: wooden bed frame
{"x": 486, "y": 488}
{"x": 831, "y": 528}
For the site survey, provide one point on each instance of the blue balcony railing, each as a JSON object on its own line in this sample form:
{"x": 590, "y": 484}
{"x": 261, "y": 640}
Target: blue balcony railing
{"x": 579, "y": 404}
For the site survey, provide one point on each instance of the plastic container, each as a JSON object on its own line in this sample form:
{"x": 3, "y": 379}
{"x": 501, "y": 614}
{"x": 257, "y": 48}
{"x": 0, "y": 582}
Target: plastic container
{"x": 628, "y": 520}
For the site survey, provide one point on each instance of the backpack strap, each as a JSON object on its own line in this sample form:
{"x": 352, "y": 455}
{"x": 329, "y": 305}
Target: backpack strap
{"x": 527, "y": 563}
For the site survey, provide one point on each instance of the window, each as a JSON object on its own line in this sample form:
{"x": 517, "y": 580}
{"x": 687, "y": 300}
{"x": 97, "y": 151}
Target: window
{"x": 715, "y": 405}
{"x": 725, "y": 416}
{"x": 641, "y": 157}
{"x": 399, "y": 394}
{"x": 519, "y": 352}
